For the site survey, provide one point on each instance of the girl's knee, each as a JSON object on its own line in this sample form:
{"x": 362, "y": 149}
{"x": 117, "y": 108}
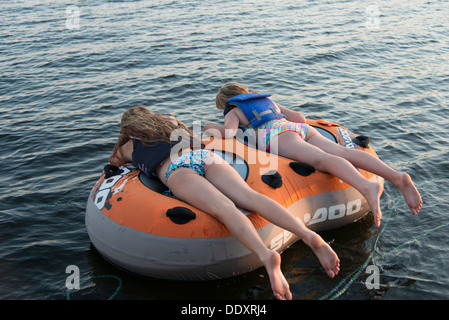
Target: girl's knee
{"x": 247, "y": 198}
{"x": 253, "y": 196}
{"x": 343, "y": 152}
{"x": 325, "y": 160}
{"x": 219, "y": 208}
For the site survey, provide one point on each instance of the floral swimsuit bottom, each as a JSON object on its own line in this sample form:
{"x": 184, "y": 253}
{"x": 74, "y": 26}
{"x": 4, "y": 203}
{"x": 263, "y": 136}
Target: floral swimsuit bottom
{"x": 194, "y": 160}
{"x": 275, "y": 127}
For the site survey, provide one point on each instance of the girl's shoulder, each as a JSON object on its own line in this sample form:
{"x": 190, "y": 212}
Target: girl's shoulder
{"x": 236, "y": 112}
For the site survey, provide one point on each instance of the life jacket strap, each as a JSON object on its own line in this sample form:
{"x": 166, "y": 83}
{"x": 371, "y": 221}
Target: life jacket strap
{"x": 258, "y": 116}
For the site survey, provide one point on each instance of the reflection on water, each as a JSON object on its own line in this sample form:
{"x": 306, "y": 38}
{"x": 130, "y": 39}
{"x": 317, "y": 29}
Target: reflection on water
{"x": 380, "y": 71}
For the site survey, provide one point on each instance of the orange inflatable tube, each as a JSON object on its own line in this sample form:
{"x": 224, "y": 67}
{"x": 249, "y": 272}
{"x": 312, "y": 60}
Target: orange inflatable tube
{"x": 133, "y": 224}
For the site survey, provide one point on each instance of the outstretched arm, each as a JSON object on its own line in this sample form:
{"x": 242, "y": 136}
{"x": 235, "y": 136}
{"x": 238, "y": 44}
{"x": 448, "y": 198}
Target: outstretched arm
{"x": 227, "y": 131}
{"x": 293, "y": 116}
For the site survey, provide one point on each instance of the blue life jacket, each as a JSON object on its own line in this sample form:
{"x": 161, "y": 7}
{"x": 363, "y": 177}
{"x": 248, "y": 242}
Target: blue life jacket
{"x": 256, "y": 107}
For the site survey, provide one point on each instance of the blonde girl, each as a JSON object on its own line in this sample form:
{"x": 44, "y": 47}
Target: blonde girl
{"x": 202, "y": 179}
{"x": 301, "y": 142}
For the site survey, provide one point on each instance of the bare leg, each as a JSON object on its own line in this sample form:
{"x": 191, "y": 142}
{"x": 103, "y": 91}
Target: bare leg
{"x": 368, "y": 162}
{"x": 292, "y": 146}
{"x": 197, "y": 191}
{"x": 226, "y": 179}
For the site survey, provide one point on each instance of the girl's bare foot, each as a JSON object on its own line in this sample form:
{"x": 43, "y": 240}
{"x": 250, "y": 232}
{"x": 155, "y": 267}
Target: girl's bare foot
{"x": 279, "y": 284}
{"x": 372, "y": 195}
{"x": 328, "y": 258}
{"x": 410, "y": 193}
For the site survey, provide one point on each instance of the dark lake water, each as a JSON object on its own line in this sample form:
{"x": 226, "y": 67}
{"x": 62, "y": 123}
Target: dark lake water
{"x": 68, "y": 69}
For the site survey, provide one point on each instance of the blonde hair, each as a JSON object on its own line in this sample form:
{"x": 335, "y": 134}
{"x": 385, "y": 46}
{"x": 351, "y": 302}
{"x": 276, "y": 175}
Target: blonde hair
{"x": 149, "y": 127}
{"x": 227, "y": 91}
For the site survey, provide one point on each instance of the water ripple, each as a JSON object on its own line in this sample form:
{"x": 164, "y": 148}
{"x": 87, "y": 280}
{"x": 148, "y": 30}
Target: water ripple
{"x": 62, "y": 93}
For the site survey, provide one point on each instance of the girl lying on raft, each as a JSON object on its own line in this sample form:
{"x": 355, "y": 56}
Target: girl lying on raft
{"x": 204, "y": 180}
{"x": 285, "y": 132}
